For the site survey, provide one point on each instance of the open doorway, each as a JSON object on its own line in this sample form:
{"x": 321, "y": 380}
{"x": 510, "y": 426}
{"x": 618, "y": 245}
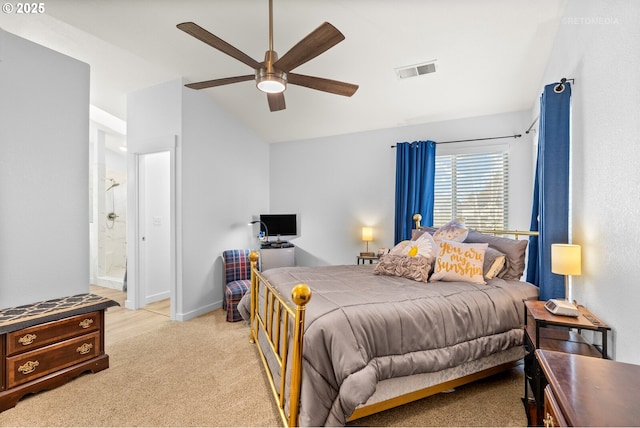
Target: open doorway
{"x": 151, "y": 278}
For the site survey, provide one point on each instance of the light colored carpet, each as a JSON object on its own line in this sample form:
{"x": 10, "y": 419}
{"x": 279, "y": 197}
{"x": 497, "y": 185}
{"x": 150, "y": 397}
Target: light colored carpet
{"x": 494, "y": 401}
{"x": 204, "y": 372}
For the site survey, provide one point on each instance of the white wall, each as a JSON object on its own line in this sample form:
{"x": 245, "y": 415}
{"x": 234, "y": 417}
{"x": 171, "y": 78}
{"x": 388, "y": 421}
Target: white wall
{"x": 44, "y": 174}
{"x": 222, "y": 182}
{"x": 598, "y": 44}
{"x": 153, "y": 124}
{"x": 225, "y": 183}
{"x": 338, "y": 184}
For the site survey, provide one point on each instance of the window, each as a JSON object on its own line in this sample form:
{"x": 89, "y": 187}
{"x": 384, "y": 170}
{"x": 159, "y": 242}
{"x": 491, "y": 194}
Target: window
{"x": 473, "y": 186}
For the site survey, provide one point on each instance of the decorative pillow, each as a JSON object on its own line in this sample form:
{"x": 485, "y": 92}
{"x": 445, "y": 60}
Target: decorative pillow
{"x": 416, "y": 268}
{"x": 423, "y": 246}
{"x": 459, "y": 262}
{"x": 455, "y": 230}
{"x": 494, "y": 262}
{"x": 409, "y": 259}
{"x": 416, "y": 233}
{"x": 513, "y": 249}
{"x": 401, "y": 248}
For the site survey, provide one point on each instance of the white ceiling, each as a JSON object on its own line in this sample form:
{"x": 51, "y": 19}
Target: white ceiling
{"x": 490, "y": 55}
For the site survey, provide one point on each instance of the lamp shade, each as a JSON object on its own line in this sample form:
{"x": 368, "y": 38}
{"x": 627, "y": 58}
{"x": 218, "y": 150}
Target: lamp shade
{"x": 367, "y": 233}
{"x": 566, "y": 259}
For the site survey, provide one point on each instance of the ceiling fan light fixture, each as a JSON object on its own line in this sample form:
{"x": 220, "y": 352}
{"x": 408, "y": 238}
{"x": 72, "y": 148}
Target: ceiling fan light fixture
{"x": 271, "y": 83}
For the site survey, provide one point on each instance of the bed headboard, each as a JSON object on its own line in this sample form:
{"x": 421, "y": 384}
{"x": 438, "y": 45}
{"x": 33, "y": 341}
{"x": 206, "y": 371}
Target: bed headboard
{"x": 495, "y": 232}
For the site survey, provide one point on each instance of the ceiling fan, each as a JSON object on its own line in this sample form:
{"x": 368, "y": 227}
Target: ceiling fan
{"x": 274, "y": 73}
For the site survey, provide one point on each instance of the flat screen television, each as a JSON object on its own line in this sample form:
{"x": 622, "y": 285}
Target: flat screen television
{"x": 279, "y": 224}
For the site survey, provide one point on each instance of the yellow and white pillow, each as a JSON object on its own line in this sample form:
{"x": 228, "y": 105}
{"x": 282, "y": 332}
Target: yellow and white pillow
{"x": 459, "y": 262}
{"x": 423, "y": 246}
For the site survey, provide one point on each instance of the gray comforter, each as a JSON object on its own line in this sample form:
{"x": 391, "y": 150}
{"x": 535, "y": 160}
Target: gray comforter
{"x": 361, "y": 328}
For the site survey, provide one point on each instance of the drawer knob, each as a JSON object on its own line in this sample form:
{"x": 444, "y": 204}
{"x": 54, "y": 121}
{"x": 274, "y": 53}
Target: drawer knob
{"x": 84, "y": 349}
{"x": 28, "y": 367}
{"x": 27, "y": 339}
{"x": 86, "y": 323}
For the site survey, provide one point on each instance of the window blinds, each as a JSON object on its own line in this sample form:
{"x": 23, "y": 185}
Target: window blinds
{"x": 473, "y": 186}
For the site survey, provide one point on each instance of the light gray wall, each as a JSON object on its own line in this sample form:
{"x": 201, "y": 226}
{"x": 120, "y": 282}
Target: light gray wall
{"x": 153, "y": 124}
{"x": 225, "y": 183}
{"x": 598, "y": 44}
{"x": 222, "y": 182}
{"x": 338, "y": 184}
{"x": 44, "y": 173}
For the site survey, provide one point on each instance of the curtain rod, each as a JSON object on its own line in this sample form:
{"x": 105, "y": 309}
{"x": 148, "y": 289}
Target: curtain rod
{"x": 557, "y": 89}
{"x": 475, "y": 139}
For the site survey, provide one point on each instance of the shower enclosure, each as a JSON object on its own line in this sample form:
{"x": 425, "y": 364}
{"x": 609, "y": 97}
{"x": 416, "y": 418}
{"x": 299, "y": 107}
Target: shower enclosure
{"x": 108, "y": 212}
{"x": 111, "y": 232}
{"x": 112, "y": 263}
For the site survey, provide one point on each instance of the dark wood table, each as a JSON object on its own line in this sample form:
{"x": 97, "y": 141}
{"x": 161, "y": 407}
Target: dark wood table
{"x": 365, "y": 258}
{"x": 590, "y": 391}
{"x": 46, "y": 344}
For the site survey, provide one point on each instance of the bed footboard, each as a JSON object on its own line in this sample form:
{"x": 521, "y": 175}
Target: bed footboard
{"x": 271, "y": 320}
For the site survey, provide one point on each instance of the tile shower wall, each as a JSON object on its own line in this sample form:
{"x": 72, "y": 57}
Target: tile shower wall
{"x": 112, "y": 233}
{"x": 108, "y": 237}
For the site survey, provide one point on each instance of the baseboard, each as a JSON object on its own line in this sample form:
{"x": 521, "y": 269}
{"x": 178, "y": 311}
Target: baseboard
{"x": 186, "y": 316}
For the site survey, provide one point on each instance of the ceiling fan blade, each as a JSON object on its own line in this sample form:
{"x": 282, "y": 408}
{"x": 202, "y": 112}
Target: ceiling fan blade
{"x": 276, "y": 101}
{"x": 219, "y": 82}
{"x": 216, "y": 42}
{"x": 320, "y": 84}
{"x": 317, "y": 42}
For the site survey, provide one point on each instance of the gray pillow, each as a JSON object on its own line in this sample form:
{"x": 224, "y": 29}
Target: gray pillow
{"x": 416, "y": 233}
{"x": 491, "y": 257}
{"x": 512, "y": 248}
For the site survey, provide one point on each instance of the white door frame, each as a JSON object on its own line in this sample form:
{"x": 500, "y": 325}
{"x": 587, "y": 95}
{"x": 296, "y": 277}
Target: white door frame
{"x": 154, "y": 145}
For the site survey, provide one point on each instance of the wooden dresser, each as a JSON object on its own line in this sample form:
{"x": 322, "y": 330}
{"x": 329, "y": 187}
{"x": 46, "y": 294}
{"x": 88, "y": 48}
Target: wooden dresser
{"x": 46, "y": 344}
{"x": 586, "y": 391}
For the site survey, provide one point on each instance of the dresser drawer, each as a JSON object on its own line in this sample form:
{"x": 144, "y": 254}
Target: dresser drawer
{"x": 552, "y": 414}
{"x": 34, "y": 364}
{"x": 55, "y": 331}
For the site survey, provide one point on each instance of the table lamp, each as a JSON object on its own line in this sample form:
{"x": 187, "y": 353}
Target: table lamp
{"x": 367, "y": 235}
{"x": 566, "y": 259}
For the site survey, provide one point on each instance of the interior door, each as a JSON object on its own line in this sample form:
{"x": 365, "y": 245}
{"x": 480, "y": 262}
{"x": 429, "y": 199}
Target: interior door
{"x": 155, "y": 226}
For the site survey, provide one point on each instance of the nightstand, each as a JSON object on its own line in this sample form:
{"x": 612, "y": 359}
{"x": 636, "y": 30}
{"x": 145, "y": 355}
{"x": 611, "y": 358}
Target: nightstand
{"x": 543, "y": 330}
{"x": 364, "y": 258}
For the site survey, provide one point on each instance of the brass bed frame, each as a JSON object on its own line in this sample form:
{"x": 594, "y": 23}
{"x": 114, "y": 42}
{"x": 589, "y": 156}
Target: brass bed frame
{"x": 267, "y": 320}
{"x": 263, "y": 321}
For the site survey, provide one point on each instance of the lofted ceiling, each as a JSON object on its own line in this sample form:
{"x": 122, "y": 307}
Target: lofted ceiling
{"x": 491, "y": 55}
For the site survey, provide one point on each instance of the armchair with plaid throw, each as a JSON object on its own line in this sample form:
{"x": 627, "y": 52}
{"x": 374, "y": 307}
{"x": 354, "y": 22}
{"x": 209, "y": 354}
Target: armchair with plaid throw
{"x": 237, "y": 273}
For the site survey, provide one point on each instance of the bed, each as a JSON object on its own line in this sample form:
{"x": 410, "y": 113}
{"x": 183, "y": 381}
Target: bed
{"x": 342, "y": 342}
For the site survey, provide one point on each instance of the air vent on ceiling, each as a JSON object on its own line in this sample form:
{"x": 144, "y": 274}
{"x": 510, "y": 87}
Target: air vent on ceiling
{"x": 416, "y": 70}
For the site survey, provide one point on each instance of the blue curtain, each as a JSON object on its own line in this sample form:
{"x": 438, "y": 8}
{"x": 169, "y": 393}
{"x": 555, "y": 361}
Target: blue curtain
{"x": 550, "y": 213}
{"x": 415, "y": 176}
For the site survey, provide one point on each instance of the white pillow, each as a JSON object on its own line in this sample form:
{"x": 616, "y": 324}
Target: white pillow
{"x": 423, "y": 246}
{"x": 459, "y": 262}
{"x": 455, "y": 230}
